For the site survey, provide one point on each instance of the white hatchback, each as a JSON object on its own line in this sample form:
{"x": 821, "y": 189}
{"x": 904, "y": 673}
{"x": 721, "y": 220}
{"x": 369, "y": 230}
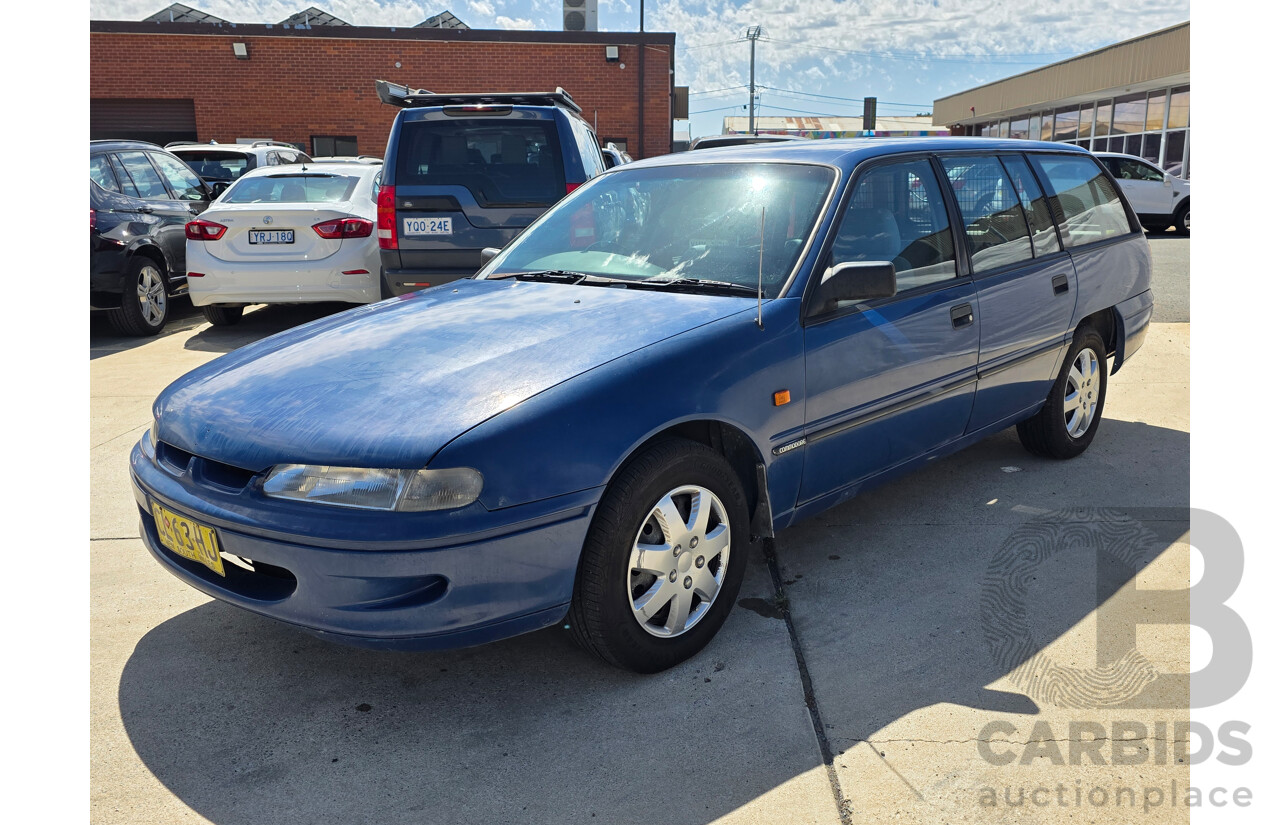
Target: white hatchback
{"x": 284, "y": 235}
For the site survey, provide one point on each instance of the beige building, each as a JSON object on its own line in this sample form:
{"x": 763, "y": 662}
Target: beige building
{"x": 1132, "y": 97}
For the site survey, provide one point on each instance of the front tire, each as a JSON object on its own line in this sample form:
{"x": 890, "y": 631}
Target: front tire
{"x": 1066, "y": 425}
{"x": 223, "y": 316}
{"x": 664, "y": 559}
{"x": 144, "y": 303}
{"x": 1182, "y": 219}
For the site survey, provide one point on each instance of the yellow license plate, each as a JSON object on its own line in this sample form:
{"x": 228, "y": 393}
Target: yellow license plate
{"x": 188, "y": 538}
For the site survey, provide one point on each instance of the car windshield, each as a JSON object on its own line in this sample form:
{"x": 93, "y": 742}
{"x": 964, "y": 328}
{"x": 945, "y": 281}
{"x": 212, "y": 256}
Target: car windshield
{"x": 292, "y": 188}
{"x": 726, "y": 222}
{"x": 215, "y": 165}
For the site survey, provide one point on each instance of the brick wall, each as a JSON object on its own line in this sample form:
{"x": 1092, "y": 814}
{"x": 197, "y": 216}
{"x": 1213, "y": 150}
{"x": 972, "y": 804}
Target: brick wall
{"x": 296, "y": 86}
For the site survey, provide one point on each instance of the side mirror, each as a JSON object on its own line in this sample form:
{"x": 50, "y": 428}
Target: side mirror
{"x": 487, "y": 254}
{"x": 856, "y": 281}
{"x": 1168, "y": 179}
{"x": 218, "y": 187}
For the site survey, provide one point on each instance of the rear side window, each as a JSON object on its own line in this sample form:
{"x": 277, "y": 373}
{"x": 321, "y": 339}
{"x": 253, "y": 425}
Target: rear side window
{"x": 297, "y": 188}
{"x": 181, "y": 180}
{"x": 126, "y": 183}
{"x": 995, "y": 227}
{"x": 1087, "y": 205}
{"x": 592, "y": 160}
{"x": 501, "y": 161}
{"x": 1034, "y": 203}
{"x": 101, "y": 174}
{"x": 897, "y": 214}
{"x": 145, "y": 178}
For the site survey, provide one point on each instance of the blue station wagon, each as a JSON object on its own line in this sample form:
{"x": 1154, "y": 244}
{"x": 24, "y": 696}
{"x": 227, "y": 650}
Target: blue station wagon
{"x": 685, "y": 355}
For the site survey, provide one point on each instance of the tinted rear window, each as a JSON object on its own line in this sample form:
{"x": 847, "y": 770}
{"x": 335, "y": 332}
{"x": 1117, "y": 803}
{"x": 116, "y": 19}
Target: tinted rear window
{"x": 294, "y": 188}
{"x": 502, "y": 161}
{"x": 214, "y": 165}
{"x": 1086, "y": 204}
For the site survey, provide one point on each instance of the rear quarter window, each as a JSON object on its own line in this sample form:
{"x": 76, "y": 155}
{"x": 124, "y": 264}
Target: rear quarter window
{"x": 501, "y": 161}
{"x": 1087, "y": 205}
{"x": 101, "y": 174}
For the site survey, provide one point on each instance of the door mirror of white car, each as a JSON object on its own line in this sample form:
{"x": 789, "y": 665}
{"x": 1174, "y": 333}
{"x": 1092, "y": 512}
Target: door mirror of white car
{"x": 855, "y": 281}
{"x": 1168, "y": 179}
{"x": 487, "y": 254}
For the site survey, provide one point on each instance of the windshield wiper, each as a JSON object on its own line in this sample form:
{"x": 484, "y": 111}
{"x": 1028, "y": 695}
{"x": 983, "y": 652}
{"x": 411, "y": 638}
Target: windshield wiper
{"x": 700, "y": 283}
{"x": 559, "y": 276}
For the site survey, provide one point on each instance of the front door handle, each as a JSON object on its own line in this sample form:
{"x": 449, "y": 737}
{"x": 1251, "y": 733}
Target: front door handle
{"x": 1060, "y": 285}
{"x": 146, "y": 210}
{"x": 961, "y": 316}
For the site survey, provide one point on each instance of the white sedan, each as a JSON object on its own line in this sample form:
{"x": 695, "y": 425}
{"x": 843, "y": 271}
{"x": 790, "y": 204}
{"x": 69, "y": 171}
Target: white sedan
{"x": 285, "y": 235}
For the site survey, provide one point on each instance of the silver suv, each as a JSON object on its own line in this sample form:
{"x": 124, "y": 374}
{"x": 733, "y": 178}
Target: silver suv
{"x": 221, "y": 164}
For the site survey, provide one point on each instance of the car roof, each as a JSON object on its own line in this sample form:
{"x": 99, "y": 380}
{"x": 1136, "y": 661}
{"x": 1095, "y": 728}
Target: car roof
{"x": 1124, "y": 155}
{"x": 114, "y": 144}
{"x": 246, "y": 148}
{"x": 848, "y": 152}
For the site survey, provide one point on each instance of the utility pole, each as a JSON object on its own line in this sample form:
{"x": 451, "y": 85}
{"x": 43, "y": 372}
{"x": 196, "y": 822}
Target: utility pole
{"x": 753, "y": 34}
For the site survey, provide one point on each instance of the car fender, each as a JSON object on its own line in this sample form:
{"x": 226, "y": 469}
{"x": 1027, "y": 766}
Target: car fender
{"x": 577, "y": 434}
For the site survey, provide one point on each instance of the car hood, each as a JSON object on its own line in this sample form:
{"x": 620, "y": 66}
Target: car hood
{"x": 389, "y": 384}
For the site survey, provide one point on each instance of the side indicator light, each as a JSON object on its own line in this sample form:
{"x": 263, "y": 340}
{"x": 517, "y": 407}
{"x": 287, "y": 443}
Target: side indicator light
{"x": 781, "y": 397}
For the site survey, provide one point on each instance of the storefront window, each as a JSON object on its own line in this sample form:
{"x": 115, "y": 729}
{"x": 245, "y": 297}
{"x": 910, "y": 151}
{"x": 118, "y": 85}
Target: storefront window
{"x": 1102, "y": 124}
{"x": 1033, "y": 129}
{"x": 1174, "y": 144}
{"x": 1086, "y": 122}
{"x": 1046, "y": 126}
{"x": 1004, "y": 128}
{"x": 1151, "y": 147}
{"x": 1130, "y": 114}
{"x": 1155, "y": 111}
{"x": 1066, "y": 123}
{"x": 1180, "y": 108}
{"x": 1020, "y": 129}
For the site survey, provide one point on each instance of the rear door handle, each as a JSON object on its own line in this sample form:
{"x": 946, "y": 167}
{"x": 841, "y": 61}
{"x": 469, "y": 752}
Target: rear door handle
{"x": 146, "y": 210}
{"x": 961, "y": 316}
{"x": 1060, "y": 286}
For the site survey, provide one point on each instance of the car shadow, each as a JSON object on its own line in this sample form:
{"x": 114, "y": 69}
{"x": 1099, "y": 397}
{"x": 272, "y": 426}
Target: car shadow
{"x": 260, "y": 323}
{"x": 104, "y": 340}
{"x": 249, "y": 722}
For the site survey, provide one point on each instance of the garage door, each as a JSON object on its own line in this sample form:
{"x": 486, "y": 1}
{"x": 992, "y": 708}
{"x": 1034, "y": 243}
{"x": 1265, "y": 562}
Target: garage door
{"x": 158, "y": 121}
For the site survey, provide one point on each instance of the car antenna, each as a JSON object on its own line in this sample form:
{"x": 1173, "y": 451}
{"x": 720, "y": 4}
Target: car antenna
{"x": 760, "y": 277}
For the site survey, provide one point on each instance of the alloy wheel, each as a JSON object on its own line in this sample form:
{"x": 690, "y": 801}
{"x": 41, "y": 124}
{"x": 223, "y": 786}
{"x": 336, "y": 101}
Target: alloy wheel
{"x": 1080, "y": 397}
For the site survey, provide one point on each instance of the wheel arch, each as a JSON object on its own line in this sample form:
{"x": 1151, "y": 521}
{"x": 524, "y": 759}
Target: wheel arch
{"x": 156, "y": 255}
{"x": 738, "y": 449}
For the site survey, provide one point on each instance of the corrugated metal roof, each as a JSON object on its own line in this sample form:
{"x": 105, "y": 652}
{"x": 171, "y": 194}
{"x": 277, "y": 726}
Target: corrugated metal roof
{"x": 313, "y": 17}
{"x": 178, "y": 13}
{"x": 1157, "y": 59}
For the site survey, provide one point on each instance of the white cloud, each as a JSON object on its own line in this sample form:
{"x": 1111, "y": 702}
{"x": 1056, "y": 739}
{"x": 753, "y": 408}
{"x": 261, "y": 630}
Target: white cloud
{"x": 508, "y": 23}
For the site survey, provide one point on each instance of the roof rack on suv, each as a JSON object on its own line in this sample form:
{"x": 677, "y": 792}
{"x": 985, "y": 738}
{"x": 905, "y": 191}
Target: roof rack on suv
{"x": 398, "y": 94}
{"x": 271, "y": 143}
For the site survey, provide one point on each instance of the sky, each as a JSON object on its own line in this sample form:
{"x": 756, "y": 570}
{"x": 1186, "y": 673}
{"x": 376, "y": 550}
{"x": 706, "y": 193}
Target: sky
{"x": 815, "y": 57}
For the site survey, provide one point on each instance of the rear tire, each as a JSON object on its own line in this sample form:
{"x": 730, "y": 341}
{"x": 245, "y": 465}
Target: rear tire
{"x": 1066, "y": 425}
{"x": 223, "y": 316}
{"x": 656, "y": 579}
{"x": 1182, "y": 219}
{"x": 144, "y": 303}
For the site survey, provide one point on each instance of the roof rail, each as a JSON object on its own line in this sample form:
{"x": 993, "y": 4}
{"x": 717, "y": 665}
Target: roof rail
{"x": 271, "y": 143}
{"x": 397, "y": 94}
{"x": 182, "y": 143}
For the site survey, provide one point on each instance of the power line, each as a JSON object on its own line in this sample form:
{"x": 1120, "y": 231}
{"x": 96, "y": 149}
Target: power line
{"x": 719, "y": 109}
{"x": 833, "y": 97}
{"x": 709, "y": 45}
{"x": 725, "y": 89}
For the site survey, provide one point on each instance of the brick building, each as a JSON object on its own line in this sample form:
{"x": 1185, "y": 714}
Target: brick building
{"x": 313, "y": 85}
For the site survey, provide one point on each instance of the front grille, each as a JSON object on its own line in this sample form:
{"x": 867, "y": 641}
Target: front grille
{"x": 202, "y": 470}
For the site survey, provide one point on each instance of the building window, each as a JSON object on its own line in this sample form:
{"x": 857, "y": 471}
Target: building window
{"x": 329, "y": 145}
{"x": 1102, "y": 124}
{"x": 1180, "y": 108}
{"x": 1020, "y": 129}
{"x": 1086, "y": 124}
{"x": 1066, "y": 123}
{"x": 1046, "y": 125}
{"x": 1130, "y": 114}
{"x": 1155, "y": 111}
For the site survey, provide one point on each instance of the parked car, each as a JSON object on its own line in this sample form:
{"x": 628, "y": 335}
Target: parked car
{"x": 613, "y": 156}
{"x": 683, "y": 355}
{"x": 468, "y": 171}
{"x": 221, "y": 164}
{"x": 1160, "y": 198}
{"x": 718, "y": 141}
{"x": 347, "y": 159}
{"x": 287, "y": 235}
{"x": 140, "y": 196}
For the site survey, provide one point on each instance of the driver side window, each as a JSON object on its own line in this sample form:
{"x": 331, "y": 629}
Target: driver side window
{"x": 897, "y": 214}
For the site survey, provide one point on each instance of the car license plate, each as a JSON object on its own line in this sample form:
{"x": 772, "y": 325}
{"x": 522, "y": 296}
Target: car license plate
{"x": 428, "y": 226}
{"x": 188, "y": 538}
{"x": 270, "y": 236}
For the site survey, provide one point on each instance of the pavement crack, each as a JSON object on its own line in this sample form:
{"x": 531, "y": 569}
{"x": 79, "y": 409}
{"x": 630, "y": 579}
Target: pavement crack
{"x": 843, "y": 807}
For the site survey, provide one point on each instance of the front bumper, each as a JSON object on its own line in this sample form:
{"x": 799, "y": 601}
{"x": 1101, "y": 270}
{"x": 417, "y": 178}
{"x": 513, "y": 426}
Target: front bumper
{"x": 421, "y": 592}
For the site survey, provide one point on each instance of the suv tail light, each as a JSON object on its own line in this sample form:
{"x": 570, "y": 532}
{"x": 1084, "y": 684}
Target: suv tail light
{"x": 569, "y": 187}
{"x": 204, "y": 231}
{"x": 387, "y": 218}
{"x": 344, "y": 228}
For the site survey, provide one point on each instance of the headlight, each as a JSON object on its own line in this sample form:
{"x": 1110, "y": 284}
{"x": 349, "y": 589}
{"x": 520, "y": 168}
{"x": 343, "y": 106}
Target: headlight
{"x": 407, "y": 490}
